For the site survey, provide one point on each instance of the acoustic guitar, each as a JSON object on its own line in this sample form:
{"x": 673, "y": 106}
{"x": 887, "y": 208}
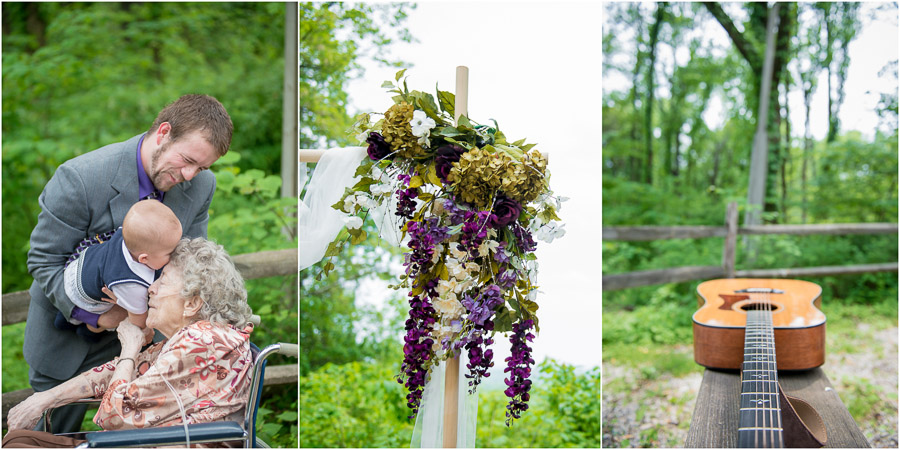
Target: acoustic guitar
{"x": 742, "y": 324}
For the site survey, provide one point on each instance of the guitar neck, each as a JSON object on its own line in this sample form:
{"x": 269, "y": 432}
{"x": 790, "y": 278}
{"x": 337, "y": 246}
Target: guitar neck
{"x": 760, "y": 417}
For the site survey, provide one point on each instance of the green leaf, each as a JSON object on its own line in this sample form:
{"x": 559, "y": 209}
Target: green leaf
{"x": 287, "y": 416}
{"x": 446, "y": 132}
{"x": 416, "y": 181}
{"x": 334, "y": 248}
{"x": 503, "y": 320}
{"x": 359, "y": 237}
{"x": 229, "y": 158}
{"x": 399, "y": 75}
{"x": 447, "y": 101}
{"x": 431, "y": 175}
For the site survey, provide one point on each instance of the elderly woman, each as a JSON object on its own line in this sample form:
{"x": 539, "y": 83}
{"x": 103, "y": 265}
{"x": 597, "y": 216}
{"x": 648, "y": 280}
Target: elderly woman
{"x": 200, "y": 304}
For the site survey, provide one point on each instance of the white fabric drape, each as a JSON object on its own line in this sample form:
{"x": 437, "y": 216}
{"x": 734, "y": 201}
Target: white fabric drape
{"x": 319, "y": 224}
{"x": 429, "y": 429}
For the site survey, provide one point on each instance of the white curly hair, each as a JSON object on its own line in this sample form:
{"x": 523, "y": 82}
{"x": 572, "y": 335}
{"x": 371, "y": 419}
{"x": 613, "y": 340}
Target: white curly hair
{"x": 208, "y": 272}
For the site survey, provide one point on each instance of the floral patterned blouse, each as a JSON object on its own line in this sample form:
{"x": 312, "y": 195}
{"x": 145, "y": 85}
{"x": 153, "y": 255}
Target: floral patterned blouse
{"x": 208, "y": 364}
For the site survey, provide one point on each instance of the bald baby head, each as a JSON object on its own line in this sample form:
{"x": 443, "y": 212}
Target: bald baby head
{"x": 151, "y": 232}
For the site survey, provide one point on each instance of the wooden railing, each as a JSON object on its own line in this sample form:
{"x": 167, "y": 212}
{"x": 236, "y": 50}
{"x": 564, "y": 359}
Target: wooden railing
{"x": 730, "y": 231}
{"x": 251, "y": 265}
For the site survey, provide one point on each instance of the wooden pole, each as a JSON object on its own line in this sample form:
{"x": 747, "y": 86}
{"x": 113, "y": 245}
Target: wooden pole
{"x": 451, "y": 374}
{"x": 731, "y": 223}
{"x": 310, "y": 155}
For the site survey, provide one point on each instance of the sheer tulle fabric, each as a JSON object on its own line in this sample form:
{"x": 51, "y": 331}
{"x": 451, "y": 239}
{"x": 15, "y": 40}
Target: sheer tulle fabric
{"x": 319, "y": 224}
{"x": 429, "y": 429}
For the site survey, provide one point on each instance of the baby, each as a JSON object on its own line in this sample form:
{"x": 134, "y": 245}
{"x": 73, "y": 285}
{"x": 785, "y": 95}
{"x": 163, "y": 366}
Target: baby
{"x": 126, "y": 263}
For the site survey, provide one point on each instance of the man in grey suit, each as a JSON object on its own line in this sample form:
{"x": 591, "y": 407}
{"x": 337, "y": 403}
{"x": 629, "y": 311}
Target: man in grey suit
{"x": 88, "y": 197}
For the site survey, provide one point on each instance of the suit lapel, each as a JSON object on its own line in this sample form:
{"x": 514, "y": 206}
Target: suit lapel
{"x": 125, "y": 183}
{"x": 181, "y": 203}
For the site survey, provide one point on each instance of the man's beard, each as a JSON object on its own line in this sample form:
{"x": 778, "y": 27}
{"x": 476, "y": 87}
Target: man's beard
{"x": 158, "y": 178}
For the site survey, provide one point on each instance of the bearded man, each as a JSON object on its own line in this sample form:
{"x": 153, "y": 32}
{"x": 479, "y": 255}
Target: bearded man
{"x": 86, "y": 200}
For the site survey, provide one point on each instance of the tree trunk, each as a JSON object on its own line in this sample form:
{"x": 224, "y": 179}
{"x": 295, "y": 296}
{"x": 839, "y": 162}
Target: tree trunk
{"x": 648, "y": 108}
{"x": 759, "y": 157}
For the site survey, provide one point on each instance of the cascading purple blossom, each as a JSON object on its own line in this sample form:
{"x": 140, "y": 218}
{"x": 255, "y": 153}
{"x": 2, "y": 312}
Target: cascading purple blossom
{"x": 417, "y": 346}
{"x": 481, "y": 309}
{"x": 519, "y": 369}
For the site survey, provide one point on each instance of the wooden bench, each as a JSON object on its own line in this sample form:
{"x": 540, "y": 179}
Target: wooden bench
{"x": 715, "y": 420}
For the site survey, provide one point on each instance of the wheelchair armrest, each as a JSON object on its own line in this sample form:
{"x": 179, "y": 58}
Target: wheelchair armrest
{"x": 289, "y": 349}
{"x": 143, "y": 437}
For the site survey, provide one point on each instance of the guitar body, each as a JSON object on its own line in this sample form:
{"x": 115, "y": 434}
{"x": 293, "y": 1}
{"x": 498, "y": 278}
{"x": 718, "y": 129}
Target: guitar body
{"x": 798, "y": 324}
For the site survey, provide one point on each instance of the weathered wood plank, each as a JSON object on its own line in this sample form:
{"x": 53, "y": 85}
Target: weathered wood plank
{"x": 652, "y": 233}
{"x": 816, "y": 271}
{"x": 251, "y": 265}
{"x": 275, "y": 375}
{"x": 267, "y": 264}
{"x": 662, "y": 276}
{"x": 715, "y": 419}
{"x": 15, "y": 307}
{"x": 826, "y": 228}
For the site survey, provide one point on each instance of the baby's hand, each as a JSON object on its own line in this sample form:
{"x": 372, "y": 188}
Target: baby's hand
{"x": 148, "y": 335}
{"x": 112, "y": 297}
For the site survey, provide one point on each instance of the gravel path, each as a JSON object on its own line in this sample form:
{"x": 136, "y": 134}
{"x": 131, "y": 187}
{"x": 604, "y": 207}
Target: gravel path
{"x": 642, "y": 411}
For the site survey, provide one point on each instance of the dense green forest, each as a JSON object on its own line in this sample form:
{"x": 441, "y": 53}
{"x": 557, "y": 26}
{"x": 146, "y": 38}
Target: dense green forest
{"x": 351, "y": 352}
{"x": 667, "y": 163}
{"x": 77, "y": 76}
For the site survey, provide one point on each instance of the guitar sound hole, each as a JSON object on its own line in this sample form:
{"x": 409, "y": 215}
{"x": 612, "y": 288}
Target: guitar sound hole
{"x": 756, "y": 306}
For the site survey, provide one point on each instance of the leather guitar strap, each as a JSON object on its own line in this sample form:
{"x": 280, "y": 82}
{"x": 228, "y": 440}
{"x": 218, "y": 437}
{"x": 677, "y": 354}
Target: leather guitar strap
{"x": 803, "y": 427}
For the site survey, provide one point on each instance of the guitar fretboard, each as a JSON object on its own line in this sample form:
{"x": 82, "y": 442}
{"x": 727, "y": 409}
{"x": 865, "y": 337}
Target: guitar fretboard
{"x": 760, "y": 416}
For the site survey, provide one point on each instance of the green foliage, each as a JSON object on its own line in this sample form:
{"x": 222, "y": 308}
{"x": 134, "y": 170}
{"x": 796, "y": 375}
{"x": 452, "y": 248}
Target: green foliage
{"x": 360, "y": 405}
{"x": 334, "y": 329}
{"x": 353, "y": 405}
{"x": 333, "y": 51}
{"x": 85, "y": 75}
{"x": 82, "y": 75}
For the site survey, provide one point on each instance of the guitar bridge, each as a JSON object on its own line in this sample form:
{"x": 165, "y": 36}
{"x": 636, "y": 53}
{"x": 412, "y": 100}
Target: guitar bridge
{"x": 760, "y": 291}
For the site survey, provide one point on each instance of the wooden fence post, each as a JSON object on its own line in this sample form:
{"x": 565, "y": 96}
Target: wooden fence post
{"x": 731, "y": 224}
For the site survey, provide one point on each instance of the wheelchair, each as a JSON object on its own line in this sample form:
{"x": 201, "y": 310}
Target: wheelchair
{"x": 225, "y": 431}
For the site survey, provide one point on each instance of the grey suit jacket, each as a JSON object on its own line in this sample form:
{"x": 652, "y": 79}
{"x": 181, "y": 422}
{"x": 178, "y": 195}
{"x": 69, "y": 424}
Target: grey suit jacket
{"x": 90, "y": 194}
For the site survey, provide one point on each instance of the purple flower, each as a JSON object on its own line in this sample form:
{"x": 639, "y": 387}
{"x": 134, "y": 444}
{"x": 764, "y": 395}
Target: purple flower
{"x": 417, "y": 345}
{"x": 506, "y": 211}
{"x": 507, "y": 277}
{"x": 519, "y": 369}
{"x": 378, "y": 148}
{"x": 444, "y": 158}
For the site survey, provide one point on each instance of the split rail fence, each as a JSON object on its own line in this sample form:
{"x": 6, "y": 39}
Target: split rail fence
{"x": 251, "y": 265}
{"x": 730, "y": 232}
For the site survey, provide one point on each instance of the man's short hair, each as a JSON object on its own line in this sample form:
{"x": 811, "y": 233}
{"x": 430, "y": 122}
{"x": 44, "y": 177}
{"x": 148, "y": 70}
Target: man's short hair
{"x": 196, "y": 112}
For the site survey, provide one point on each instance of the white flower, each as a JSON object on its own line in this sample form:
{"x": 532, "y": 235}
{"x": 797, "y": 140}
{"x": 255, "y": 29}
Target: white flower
{"x": 362, "y": 136}
{"x": 450, "y": 308}
{"x": 348, "y": 203}
{"x": 438, "y": 251}
{"x": 487, "y": 246}
{"x": 380, "y": 188}
{"x": 353, "y": 222}
{"x": 364, "y": 201}
{"x": 446, "y": 286}
{"x": 421, "y": 124}
{"x": 457, "y": 253}
{"x": 550, "y": 231}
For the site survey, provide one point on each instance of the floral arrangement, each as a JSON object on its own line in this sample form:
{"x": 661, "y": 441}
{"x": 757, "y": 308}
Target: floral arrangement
{"x": 471, "y": 204}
